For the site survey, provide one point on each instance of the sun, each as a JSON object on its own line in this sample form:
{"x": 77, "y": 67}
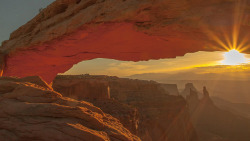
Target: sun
{"x": 234, "y": 57}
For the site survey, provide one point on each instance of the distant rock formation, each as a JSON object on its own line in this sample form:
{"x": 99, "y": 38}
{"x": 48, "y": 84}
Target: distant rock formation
{"x": 170, "y": 88}
{"x": 70, "y": 31}
{"x": 30, "y": 110}
{"x": 205, "y": 92}
{"x": 214, "y": 124}
{"x": 192, "y": 100}
{"x": 153, "y": 113}
{"x": 189, "y": 88}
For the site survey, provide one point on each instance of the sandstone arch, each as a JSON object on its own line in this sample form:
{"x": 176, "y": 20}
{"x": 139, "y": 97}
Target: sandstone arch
{"x": 67, "y": 32}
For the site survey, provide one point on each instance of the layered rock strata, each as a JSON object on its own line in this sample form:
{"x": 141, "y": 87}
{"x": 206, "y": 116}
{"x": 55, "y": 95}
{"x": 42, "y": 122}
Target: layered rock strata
{"x": 33, "y": 111}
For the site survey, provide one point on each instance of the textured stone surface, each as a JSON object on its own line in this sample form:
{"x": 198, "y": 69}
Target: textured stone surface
{"x": 67, "y": 32}
{"x": 32, "y": 112}
{"x": 126, "y": 114}
{"x": 82, "y": 89}
{"x": 159, "y": 116}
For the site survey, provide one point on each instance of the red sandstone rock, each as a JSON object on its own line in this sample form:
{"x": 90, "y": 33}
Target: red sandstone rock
{"x": 67, "y": 32}
{"x": 31, "y": 112}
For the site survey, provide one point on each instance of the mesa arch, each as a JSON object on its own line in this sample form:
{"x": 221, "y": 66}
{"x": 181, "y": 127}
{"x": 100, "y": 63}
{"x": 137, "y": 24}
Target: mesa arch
{"x": 70, "y": 31}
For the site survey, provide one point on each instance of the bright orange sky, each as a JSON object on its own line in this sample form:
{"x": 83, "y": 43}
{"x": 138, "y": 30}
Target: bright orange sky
{"x": 199, "y": 62}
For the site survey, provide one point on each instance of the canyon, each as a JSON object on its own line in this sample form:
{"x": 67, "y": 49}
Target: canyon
{"x": 72, "y": 108}
{"x": 150, "y": 112}
{"x": 144, "y": 107}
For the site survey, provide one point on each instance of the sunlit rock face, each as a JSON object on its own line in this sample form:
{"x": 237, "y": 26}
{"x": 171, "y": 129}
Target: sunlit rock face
{"x": 29, "y": 110}
{"x": 67, "y": 32}
{"x": 143, "y": 107}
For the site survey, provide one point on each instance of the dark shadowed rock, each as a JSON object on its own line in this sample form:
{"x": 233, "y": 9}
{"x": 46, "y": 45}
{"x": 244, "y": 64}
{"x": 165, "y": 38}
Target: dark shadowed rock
{"x": 127, "y": 115}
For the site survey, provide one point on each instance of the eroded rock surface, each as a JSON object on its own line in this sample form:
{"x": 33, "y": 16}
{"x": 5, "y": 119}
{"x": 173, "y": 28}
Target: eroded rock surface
{"x": 159, "y": 116}
{"x": 127, "y": 115}
{"x": 31, "y": 111}
{"x": 67, "y": 32}
{"x": 82, "y": 89}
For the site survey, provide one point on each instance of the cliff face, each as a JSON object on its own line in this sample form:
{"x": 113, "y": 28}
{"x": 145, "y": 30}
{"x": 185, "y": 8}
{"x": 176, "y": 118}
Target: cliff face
{"x": 214, "y": 124}
{"x": 29, "y": 110}
{"x": 171, "y": 89}
{"x": 80, "y": 89}
{"x": 158, "y": 116}
{"x": 126, "y": 114}
{"x": 67, "y": 32}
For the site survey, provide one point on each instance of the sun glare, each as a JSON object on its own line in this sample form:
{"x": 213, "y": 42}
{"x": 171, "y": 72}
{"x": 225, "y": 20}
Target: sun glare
{"x": 234, "y": 57}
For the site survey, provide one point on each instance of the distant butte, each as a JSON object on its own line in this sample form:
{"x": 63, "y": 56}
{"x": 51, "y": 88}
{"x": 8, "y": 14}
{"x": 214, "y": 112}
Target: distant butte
{"x": 67, "y": 32}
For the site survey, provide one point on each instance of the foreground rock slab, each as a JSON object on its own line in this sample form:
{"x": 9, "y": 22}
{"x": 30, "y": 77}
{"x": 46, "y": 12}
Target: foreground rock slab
{"x": 30, "y": 111}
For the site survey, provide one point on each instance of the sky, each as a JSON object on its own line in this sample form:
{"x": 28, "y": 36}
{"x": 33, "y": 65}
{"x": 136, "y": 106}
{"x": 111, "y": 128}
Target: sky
{"x": 15, "y": 13}
{"x": 195, "y": 65}
{"x": 21, "y": 11}
{"x": 126, "y": 68}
